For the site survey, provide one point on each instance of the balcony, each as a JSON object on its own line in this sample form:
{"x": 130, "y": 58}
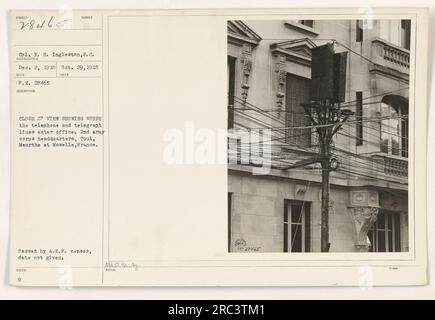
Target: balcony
{"x": 393, "y": 166}
{"x": 388, "y": 55}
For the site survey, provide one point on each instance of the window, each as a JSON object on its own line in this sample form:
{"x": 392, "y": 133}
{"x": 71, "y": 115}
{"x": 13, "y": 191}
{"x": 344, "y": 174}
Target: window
{"x": 231, "y": 90}
{"x": 384, "y": 236}
{"x": 394, "y": 126}
{"x": 359, "y": 31}
{"x": 307, "y": 23}
{"x": 297, "y": 92}
{"x": 359, "y": 114}
{"x": 406, "y": 34}
{"x": 296, "y": 226}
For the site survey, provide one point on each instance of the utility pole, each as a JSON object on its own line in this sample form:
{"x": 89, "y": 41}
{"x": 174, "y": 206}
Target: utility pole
{"x": 325, "y": 139}
{"x": 328, "y": 84}
{"x": 327, "y": 118}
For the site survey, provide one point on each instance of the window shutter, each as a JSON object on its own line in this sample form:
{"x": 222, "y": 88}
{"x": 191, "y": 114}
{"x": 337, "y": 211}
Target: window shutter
{"x": 231, "y": 90}
{"x": 297, "y": 92}
{"x": 322, "y": 72}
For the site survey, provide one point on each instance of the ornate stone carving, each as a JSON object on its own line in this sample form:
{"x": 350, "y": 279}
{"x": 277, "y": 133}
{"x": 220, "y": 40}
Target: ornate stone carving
{"x": 300, "y": 190}
{"x": 246, "y": 69}
{"x": 364, "y": 198}
{"x": 281, "y": 82}
{"x": 364, "y": 208}
{"x": 359, "y": 197}
{"x": 364, "y": 218}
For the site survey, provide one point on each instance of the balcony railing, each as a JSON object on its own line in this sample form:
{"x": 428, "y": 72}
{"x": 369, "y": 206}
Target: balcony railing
{"x": 389, "y": 55}
{"x": 393, "y": 166}
{"x": 396, "y": 167}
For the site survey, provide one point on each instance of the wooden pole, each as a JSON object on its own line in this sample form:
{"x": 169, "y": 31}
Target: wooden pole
{"x": 320, "y": 114}
{"x": 325, "y": 156}
{"x": 324, "y": 236}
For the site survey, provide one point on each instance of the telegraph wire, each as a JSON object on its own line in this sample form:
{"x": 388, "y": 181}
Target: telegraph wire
{"x": 333, "y": 124}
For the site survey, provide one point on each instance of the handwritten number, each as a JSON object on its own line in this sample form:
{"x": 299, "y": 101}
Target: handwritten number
{"x": 61, "y": 23}
{"x": 32, "y": 24}
{"x": 50, "y": 22}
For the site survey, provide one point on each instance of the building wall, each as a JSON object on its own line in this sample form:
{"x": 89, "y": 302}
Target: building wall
{"x": 257, "y": 206}
{"x": 374, "y": 84}
{"x": 262, "y": 91}
{"x": 360, "y": 76}
{"x": 257, "y": 213}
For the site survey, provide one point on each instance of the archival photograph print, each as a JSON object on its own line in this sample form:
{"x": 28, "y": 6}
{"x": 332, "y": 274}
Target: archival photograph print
{"x": 318, "y": 135}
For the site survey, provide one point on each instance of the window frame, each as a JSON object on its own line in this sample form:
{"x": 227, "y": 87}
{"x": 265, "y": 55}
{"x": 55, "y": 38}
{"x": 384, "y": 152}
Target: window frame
{"x": 297, "y": 137}
{"x": 402, "y": 134}
{"x": 302, "y": 22}
{"x": 394, "y": 229}
{"x": 359, "y": 31}
{"x": 302, "y": 28}
{"x": 305, "y": 224}
{"x": 405, "y": 34}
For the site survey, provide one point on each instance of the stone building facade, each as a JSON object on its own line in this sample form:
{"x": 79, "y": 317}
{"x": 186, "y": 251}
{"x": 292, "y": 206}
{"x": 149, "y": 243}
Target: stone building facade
{"x": 269, "y": 72}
